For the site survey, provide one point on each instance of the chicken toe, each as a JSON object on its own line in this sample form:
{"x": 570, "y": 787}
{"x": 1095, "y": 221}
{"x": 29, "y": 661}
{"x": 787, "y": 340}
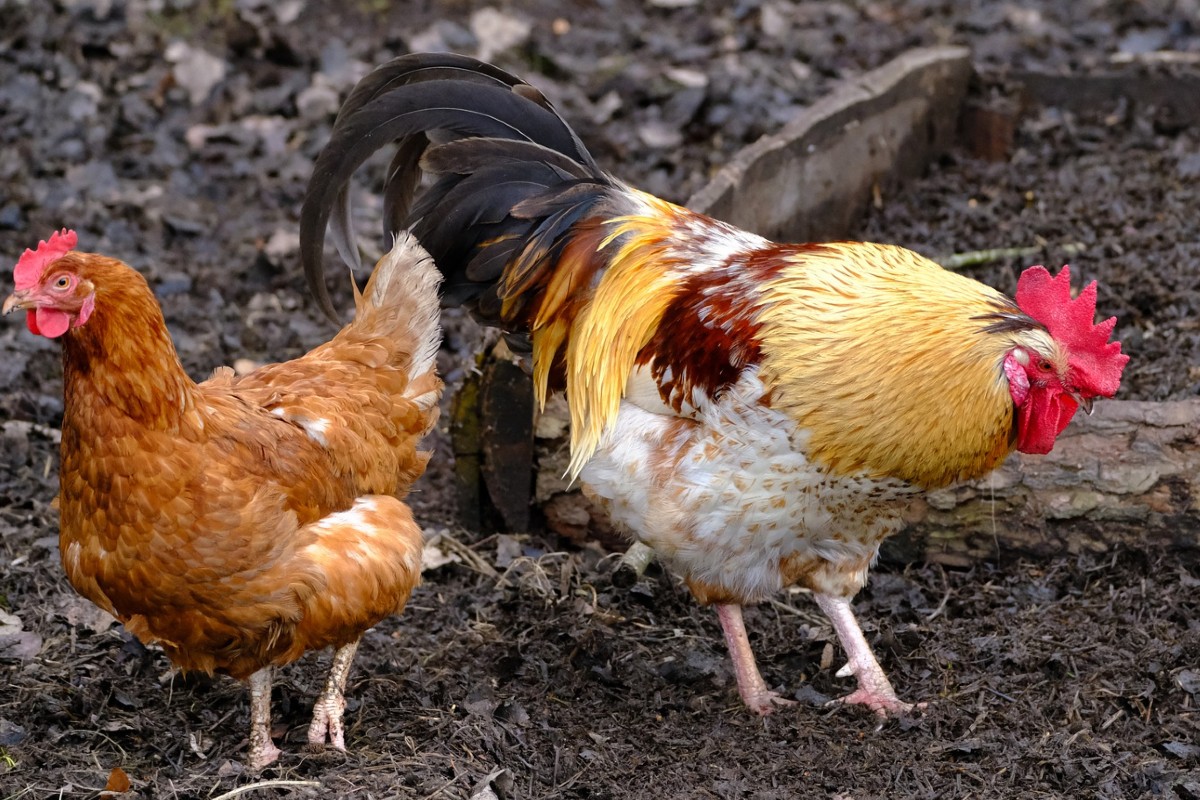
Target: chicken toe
{"x": 751, "y": 686}
{"x": 327, "y": 725}
{"x": 874, "y": 689}
{"x": 263, "y": 751}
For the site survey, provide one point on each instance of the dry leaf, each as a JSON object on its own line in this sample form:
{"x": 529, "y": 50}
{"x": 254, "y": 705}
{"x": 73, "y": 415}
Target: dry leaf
{"x": 433, "y": 557}
{"x": 84, "y": 614}
{"x": 17, "y": 644}
{"x": 118, "y": 781}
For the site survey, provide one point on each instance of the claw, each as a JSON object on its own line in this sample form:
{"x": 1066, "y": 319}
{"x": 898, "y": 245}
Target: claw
{"x": 885, "y": 705}
{"x": 874, "y": 689}
{"x": 765, "y": 702}
{"x": 753, "y": 689}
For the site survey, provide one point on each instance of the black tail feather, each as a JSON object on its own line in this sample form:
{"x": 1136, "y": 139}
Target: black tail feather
{"x": 403, "y": 175}
{"x": 453, "y": 98}
{"x": 466, "y": 156}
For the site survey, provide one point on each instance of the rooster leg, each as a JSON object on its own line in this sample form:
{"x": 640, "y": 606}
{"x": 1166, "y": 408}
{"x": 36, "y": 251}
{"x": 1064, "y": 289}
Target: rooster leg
{"x": 329, "y": 707}
{"x": 262, "y": 750}
{"x": 755, "y": 694}
{"x": 874, "y": 689}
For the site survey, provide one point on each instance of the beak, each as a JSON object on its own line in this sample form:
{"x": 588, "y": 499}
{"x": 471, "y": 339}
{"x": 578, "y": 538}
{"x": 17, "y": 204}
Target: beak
{"x": 16, "y": 300}
{"x": 1085, "y": 403}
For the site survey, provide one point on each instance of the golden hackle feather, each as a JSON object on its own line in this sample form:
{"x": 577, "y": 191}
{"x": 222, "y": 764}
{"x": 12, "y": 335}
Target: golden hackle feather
{"x": 882, "y": 359}
{"x": 605, "y": 334}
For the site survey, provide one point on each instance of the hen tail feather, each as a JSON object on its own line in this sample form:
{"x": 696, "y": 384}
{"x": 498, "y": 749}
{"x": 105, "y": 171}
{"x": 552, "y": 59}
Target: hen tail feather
{"x": 400, "y": 303}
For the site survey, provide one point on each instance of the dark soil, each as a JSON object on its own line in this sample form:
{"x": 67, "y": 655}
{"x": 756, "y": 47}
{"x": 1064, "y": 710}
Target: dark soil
{"x": 517, "y": 668}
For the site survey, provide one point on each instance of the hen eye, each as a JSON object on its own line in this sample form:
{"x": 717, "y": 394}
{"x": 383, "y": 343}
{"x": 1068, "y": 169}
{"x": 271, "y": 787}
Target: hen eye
{"x": 1044, "y": 365}
{"x": 62, "y": 282}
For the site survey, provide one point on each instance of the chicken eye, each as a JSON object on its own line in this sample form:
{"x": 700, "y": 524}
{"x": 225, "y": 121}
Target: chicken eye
{"x": 1044, "y": 365}
{"x": 62, "y": 283}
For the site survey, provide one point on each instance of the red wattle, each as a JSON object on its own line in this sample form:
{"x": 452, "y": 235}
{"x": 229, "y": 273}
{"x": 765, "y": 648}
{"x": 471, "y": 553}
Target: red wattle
{"x": 1041, "y": 418}
{"x": 51, "y": 323}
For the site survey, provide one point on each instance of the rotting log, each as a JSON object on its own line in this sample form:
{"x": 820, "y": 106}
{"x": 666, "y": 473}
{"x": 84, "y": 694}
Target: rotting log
{"x": 1128, "y": 475}
{"x": 506, "y": 414}
{"x": 1170, "y": 99}
{"x": 491, "y": 433}
{"x": 467, "y": 445}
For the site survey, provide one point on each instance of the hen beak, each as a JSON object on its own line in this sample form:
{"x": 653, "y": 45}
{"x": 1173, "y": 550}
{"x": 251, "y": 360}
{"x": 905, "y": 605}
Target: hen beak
{"x": 16, "y": 300}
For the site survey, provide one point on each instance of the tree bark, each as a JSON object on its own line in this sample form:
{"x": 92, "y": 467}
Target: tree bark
{"x": 1128, "y": 475}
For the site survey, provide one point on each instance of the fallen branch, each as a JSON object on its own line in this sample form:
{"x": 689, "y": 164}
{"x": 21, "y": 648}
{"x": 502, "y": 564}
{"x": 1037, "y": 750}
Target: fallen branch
{"x": 1129, "y": 475}
{"x": 632, "y": 565}
{"x": 973, "y": 258}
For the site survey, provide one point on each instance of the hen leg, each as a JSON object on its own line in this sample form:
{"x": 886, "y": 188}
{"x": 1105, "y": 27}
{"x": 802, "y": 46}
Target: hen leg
{"x": 874, "y": 689}
{"x": 262, "y": 750}
{"x": 755, "y": 694}
{"x": 329, "y": 707}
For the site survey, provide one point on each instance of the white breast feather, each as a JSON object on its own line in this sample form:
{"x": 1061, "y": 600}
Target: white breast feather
{"x": 715, "y": 516}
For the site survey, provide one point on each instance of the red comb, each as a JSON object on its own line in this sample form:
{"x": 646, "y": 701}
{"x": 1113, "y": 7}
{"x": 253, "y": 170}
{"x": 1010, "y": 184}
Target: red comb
{"x": 32, "y": 262}
{"x": 1096, "y": 363}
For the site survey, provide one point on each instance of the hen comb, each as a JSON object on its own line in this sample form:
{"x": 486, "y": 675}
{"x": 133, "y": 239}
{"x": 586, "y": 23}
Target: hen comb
{"x": 1096, "y": 363}
{"x": 32, "y": 262}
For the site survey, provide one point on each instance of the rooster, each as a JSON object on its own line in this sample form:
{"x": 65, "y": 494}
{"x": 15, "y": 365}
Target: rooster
{"x": 757, "y": 413}
{"x": 245, "y": 520}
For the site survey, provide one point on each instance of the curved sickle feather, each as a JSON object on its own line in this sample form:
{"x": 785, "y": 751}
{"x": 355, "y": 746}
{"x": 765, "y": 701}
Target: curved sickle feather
{"x": 403, "y": 99}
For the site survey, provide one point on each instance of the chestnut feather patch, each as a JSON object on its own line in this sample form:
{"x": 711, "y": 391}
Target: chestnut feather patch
{"x": 1096, "y": 363}
{"x": 33, "y": 262}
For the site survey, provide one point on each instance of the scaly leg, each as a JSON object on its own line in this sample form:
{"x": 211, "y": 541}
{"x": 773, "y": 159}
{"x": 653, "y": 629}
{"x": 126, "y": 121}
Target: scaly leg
{"x": 874, "y": 689}
{"x": 329, "y": 707}
{"x": 262, "y": 750}
{"x": 755, "y": 694}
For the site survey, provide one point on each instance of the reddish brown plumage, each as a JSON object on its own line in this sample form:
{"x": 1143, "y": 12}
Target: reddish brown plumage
{"x": 184, "y": 506}
{"x": 709, "y": 333}
{"x": 245, "y": 520}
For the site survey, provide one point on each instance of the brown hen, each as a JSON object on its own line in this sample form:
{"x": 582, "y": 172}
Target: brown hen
{"x": 242, "y": 521}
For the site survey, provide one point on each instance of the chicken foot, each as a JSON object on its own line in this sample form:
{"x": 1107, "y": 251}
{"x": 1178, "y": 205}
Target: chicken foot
{"x": 331, "y": 705}
{"x": 263, "y": 751}
{"x": 751, "y": 686}
{"x": 874, "y": 689}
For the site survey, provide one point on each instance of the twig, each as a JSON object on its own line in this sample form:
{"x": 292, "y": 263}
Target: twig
{"x": 1156, "y": 57}
{"x": 274, "y": 784}
{"x": 469, "y": 558}
{"x": 439, "y": 790}
{"x": 789, "y": 609}
{"x": 632, "y": 565}
{"x": 973, "y": 258}
{"x": 1002, "y": 695}
{"x": 945, "y": 598}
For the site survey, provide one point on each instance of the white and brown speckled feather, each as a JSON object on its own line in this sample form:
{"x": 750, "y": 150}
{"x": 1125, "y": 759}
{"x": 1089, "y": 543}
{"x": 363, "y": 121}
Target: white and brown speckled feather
{"x": 730, "y": 500}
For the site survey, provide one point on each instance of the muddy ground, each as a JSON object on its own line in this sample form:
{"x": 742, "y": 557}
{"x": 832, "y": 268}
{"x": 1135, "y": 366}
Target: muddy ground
{"x": 178, "y": 135}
